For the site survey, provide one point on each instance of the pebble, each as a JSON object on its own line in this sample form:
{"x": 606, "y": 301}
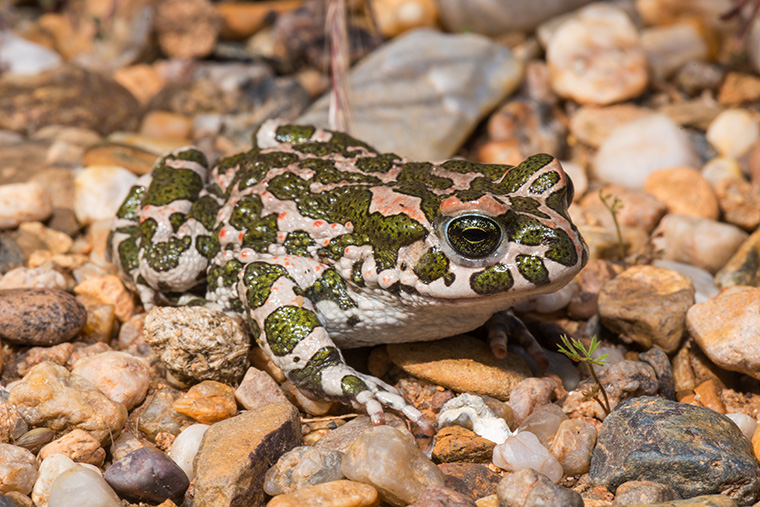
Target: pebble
{"x": 747, "y": 424}
{"x": 389, "y": 460}
{"x": 668, "y": 185}
{"x": 498, "y": 17}
{"x": 669, "y": 48}
{"x": 592, "y": 124}
{"x": 595, "y": 57}
{"x": 122, "y": 377}
{"x": 341, "y": 438}
{"x": 181, "y": 336}
{"x": 447, "y": 83}
{"x": 647, "y": 305}
{"x": 638, "y": 209}
{"x": 77, "y": 445}
{"x": 166, "y": 125}
{"x": 440, "y": 496}
{"x": 24, "y": 57}
{"x": 132, "y": 158}
{"x": 621, "y": 381}
{"x": 208, "y": 402}
{"x": 394, "y": 17}
{"x": 235, "y": 454}
{"x": 473, "y": 413}
{"x": 12, "y": 425}
{"x": 240, "y": 20}
{"x": 79, "y": 486}
{"x": 157, "y": 415}
{"x": 529, "y": 488}
{"x": 475, "y": 479}
{"x": 705, "y": 287}
{"x": 573, "y": 444}
{"x": 126, "y": 443}
{"x": 18, "y": 469}
{"x": 660, "y": 363}
{"x": 185, "y": 447}
{"x": 69, "y": 96}
{"x": 744, "y": 267}
{"x": 258, "y": 388}
{"x": 36, "y": 278}
{"x": 544, "y": 422}
{"x": 98, "y": 192}
{"x": 147, "y": 475}
{"x": 692, "y": 449}
{"x": 455, "y": 444}
{"x": 336, "y": 493}
{"x": 57, "y": 354}
{"x": 635, "y": 150}
{"x": 23, "y": 202}
{"x": 739, "y": 88}
{"x": 733, "y": 133}
{"x": 49, "y": 395}
{"x": 739, "y": 202}
{"x": 462, "y": 363}
{"x": 303, "y": 467}
{"x": 39, "y": 316}
{"x": 529, "y": 394}
{"x": 699, "y": 242}
{"x": 187, "y": 28}
{"x": 645, "y": 492}
{"x": 51, "y": 467}
{"x": 723, "y": 329}
{"x": 524, "y": 450}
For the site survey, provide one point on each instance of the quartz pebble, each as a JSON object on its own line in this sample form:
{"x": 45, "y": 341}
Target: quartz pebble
{"x": 258, "y": 388}
{"x": 592, "y": 124}
{"x": 187, "y": 28}
{"x": 207, "y": 402}
{"x": 37, "y": 278}
{"x": 718, "y": 169}
{"x": 18, "y": 469}
{"x": 122, "y": 377}
{"x": 705, "y": 287}
{"x": 77, "y": 445}
{"x": 496, "y": 17}
{"x": 341, "y": 438}
{"x": 529, "y": 488}
{"x": 524, "y": 450}
{"x": 397, "y": 16}
{"x": 157, "y": 415}
{"x": 471, "y": 412}
{"x": 147, "y": 475}
{"x": 98, "y": 192}
{"x": 49, "y": 395}
{"x": 744, "y": 267}
{"x": 79, "y": 486}
{"x": 530, "y": 394}
{"x": 635, "y": 150}
{"x": 390, "y": 461}
{"x": 746, "y": 424}
{"x": 667, "y": 185}
{"x": 733, "y": 133}
{"x": 739, "y": 202}
{"x": 185, "y": 447}
{"x": 595, "y": 57}
{"x": 51, "y": 467}
{"x": 39, "y": 316}
{"x": 182, "y": 335}
{"x": 24, "y": 57}
{"x": 544, "y": 422}
{"x": 573, "y": 444}
{"x": 700, "y": 242}
{"x": 303, "y": 467}
{"x": 335, "y": 493}
{"x": 435, "y": 496}
{"x": 670, "y": 47}
{"x": 23, "y": 202}
{"x": 12, "y": 424}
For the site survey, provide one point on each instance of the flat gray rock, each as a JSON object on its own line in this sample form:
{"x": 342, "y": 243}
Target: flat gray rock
{"x": 421, "y": 95}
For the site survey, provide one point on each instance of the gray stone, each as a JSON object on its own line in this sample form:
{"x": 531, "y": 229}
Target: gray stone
{"x": 694, "y": 450}
{"x": 147, "y": 475}
{"x": 39, "y": 316}
{"x": 421, "y": 95}
{"x": 645, "y": 492}
{"x": 156, "y": 415}
{"x": 303, "y": 467}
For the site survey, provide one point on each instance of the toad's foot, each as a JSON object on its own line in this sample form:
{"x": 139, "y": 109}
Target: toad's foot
{"x": 504, "y": 325}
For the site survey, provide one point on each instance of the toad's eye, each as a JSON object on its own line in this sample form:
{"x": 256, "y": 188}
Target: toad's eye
{"x": 473, "y": 236}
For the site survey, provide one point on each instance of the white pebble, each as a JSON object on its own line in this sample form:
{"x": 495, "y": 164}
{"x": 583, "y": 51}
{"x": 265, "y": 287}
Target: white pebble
{"x": 595, "y": 57}
{"x": 24, "y": 57}
{"x": 543, "y": 423}
{"x": 721, "y": 168}
{"x": 80, "y": 486}
{"x": 23, "y": 202}
{"x": 99, "y": 191}
{"x": 745, "y": 423}
{"x": 18, "y": 469}
{"x": 670, "y": 47}
{"x": 481, "y": 419}
{"x": 185, "y": 447}
{"x": 733, "y": 132}
{"x": 525, "y": 451}
{"x": 637, "y": 149}
{"x": 50, "y": 468}
{"x": 121, "y": 376}
{"x": 704, "y": 283}
{"x": 32, "y": 278}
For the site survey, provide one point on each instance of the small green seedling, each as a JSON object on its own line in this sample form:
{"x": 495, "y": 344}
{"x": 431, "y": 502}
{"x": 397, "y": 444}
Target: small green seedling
{"x": 575, "y": 350}
{"x": 614, "y": 205}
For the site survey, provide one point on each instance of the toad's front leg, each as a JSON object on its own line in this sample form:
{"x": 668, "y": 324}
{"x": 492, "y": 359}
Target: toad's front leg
{"x": 286, "y": 325}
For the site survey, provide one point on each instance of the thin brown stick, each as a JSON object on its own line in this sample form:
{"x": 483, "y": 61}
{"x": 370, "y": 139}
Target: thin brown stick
{"x": 339, "y": 112}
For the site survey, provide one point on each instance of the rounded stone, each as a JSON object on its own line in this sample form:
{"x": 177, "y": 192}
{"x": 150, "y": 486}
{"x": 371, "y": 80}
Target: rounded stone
{"x": 121, "y": 376}
{"x": 147, "y": 475}
{"x": 23, "y": 202}
{"x": 98, "y": 192}
{"x": 207, "y": 402}
{"x": 303, "y": 467}
{"x": 335, "y": 493}
{"x": 694, "y": 450}
{"x": 80, "y": 486}
{"x": 668, "y": 186}
{"x": 18, "y": 469}
{"x": 39, "y": 316}
{"x": 530, "y": 488}
{"x": 733, "y": 132}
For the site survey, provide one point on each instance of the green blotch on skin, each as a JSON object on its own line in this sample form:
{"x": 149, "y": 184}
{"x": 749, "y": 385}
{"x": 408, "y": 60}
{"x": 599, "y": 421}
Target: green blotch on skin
{"x": 260, "y": 232}
{"x": 298, "y": 243}
{"x": 532, "y": 269}
{"x": 351, "y": 385}
{"x": 294, "y": 134}
{"x": 544, "y": 182}
{"x": 356, "y": 273}
{"x": 432, "y": 265}
{"x": 517, "y": 176}
{"x": 382, "y": 163}
{"x": 525, "y": 230}
{"x": 190, "y": 155}
{"x": 165, "y": 256}
{"x": 148, "y": 230}
{"x": 309, "y": 378}
{"x": 131, "y": 205}
{"x": 170, "y": 184}
{"x": 419, "y": 173}
{"x": 258, "y": 278}
{"x": 223, "y": 276}
{"x": 492, "y": 280}
{"x": 330, "y": 287}
{"x": 253, "y": 166}
{"x": 562, "y": 249}
{"x": 527, "y": 205}
{"x": 128, "y": 253}
{"x": 558, "y": 202}
{"x": 287, "y": 326}
{"x": 176, "y": 220}
{"x": 205, "y": 211}
{"x": 492, "y": 171}
{"x": 207, "y": 246}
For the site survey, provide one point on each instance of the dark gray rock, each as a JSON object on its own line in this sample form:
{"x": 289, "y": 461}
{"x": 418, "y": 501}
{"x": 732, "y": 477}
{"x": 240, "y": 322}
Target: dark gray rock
{"x": 694, "y": 450}
{"x": 528, "y": 488}
{"x": 11, "y": 254}
{"x": 39, "y": 316}
{"x": 147, "y": 475}
{"x": 6, "y": 501}
{"x": 659, "y": 361}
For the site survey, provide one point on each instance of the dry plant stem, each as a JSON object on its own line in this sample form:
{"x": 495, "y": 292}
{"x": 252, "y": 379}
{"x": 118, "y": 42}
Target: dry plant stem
{"x": 613, "y": 209}
{"x": 339, "y": 112}
{"x": 606, "y": 405}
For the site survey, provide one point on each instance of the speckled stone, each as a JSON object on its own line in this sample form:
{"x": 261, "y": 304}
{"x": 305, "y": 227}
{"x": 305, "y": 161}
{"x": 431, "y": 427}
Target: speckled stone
{"x": 147, "y": 475}
{"x": 744, "y": 267}
{"x": 39, "y": 316}
{"x": 463, "y": 364}
{"x": 692, "y": 449}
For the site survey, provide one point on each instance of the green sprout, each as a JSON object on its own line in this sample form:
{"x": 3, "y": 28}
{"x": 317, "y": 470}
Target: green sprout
{"x": 575, "y": 350}
{"x": 614, "y": 205}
